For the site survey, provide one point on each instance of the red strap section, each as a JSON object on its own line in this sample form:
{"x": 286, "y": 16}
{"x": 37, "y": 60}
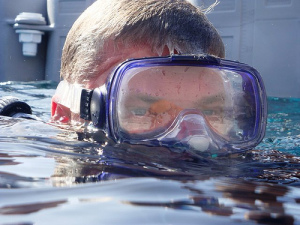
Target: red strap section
{"x": 53, "y": 107}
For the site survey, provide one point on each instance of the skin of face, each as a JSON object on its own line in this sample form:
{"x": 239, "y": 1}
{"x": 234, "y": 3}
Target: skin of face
{"x": 152, "y": 100}
{"x": 115, "y": 54}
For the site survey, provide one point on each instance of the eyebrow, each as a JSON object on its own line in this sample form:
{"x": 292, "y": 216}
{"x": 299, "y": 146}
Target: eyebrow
{"x": 211, "y": 100}
{"x": 147, "y": 98}
{"x": 206, "y": 101}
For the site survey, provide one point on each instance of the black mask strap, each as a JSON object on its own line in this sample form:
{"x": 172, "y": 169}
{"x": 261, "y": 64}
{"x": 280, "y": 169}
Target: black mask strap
{"x": 85, "y": 102}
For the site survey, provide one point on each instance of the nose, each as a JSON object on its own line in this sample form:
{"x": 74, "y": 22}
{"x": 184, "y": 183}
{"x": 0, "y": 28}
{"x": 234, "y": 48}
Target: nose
{"x": 190, "y": 131}
{"x": 191, "y": 125}
{"x": 193, "y": 132}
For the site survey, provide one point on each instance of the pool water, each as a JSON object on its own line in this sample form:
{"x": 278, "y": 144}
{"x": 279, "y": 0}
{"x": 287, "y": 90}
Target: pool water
{"x": 48, "y": 176}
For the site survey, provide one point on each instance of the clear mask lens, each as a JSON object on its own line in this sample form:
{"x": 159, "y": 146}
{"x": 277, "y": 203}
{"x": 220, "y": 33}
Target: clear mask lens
{"x": 150, "y": 98}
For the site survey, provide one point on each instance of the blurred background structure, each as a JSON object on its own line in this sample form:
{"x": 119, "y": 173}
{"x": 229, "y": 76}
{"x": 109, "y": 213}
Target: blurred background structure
{"x": 262, "y": 33}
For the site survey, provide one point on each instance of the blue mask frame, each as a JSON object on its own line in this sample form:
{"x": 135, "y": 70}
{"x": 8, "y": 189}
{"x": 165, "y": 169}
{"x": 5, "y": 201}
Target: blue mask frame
{"x": 99, "y": 105}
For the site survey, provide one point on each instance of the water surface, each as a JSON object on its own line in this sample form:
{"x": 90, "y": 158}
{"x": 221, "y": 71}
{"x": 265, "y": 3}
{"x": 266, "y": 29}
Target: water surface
{"x": 48, "y": 176}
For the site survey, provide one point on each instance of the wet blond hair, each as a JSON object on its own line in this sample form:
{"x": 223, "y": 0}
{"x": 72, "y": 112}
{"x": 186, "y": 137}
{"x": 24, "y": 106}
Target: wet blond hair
{"x": 175, "y": 24}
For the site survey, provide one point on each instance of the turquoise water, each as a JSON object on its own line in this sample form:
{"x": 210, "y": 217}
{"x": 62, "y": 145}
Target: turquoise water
{"x": 48, "y": 176}
{"x": 283, "y": 130}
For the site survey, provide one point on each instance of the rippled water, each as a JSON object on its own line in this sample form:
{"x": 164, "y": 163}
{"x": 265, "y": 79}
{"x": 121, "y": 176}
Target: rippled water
{"x": 48, "y": 176}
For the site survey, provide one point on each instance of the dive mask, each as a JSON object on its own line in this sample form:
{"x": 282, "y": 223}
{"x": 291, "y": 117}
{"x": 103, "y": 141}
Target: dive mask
{"x": 195, "y": 103}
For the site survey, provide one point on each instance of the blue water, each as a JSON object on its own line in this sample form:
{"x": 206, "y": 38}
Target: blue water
{"x": 48, "y": 176}
{"x": 283, "y": 130}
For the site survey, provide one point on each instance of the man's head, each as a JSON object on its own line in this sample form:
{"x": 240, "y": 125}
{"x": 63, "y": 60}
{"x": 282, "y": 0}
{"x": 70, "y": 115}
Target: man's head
{"x": 186, "y": 100}
{"x": 111, "y": 31}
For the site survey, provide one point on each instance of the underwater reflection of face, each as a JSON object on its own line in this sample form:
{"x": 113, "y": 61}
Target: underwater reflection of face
{"x": 155, "y": 96}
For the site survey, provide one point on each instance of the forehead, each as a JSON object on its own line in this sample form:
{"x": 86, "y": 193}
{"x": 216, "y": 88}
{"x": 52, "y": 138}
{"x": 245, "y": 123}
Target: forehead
{"x": 112, "y": 56}
{"x": 177, "y": 80}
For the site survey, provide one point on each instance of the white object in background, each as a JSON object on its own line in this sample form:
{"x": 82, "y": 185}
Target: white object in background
{"x": 30, "y": 36}
{"x": 30, "y": 39}
{"x": 30, "y": 18}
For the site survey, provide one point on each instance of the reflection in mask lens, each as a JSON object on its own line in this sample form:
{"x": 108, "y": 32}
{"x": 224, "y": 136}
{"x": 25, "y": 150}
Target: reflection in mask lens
{"x": 150, "y": 99}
